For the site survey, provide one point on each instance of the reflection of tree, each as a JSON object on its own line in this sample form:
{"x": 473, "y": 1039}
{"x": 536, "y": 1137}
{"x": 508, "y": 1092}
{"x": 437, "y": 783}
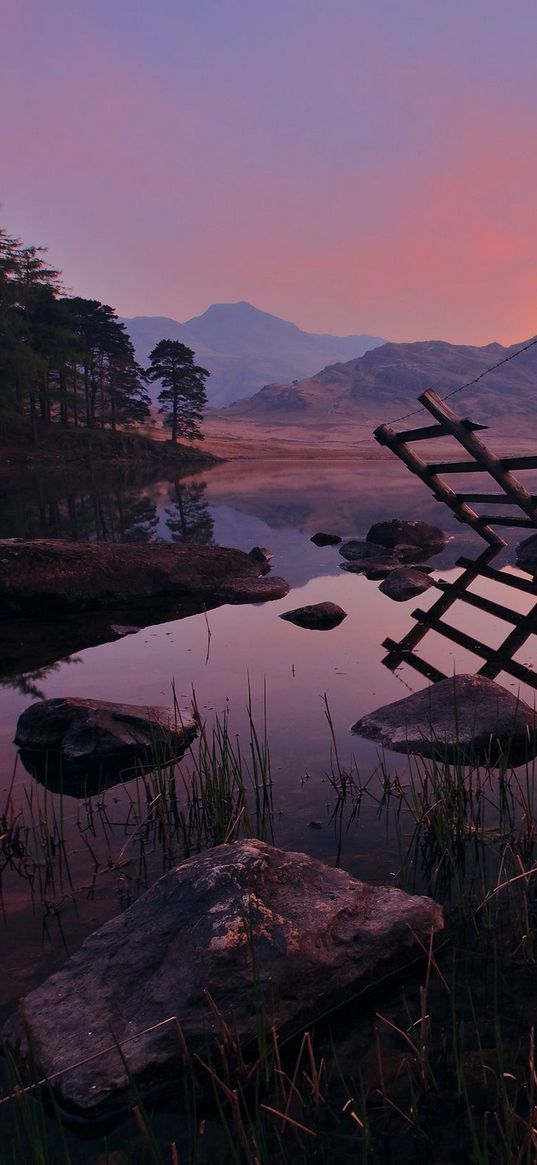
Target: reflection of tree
{"x": 188, "y": 518}
{"x": 106, "y": 511}
{"x": 26, "y": 683}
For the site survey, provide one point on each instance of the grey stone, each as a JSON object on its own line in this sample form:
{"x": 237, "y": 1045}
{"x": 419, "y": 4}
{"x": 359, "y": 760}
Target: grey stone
{"x": 464, "y": 717}
{"x": 252, "y": 590}
{"x": 405, "y": 582}
{"x": 236, "y": 921}
{"x": 322, "y": 539}
{"x": 316, "y": 616}
{"x": 68, "y": 741}
{"x": 410, "y": 533}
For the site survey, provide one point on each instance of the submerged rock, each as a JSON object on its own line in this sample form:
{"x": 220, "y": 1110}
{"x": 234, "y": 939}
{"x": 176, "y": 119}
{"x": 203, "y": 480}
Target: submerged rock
{"x": 464, "y": 717}
{"x": 51, "y": 577}
{"x": 241, "y": 921}
{"x": 316, "y": 616}
{"x": 253, "y": 590}
{"x": 405, "y": 582}
{"x": 322, "y": 539}
{"x": 76, "y": 745}
{"x": 363, "y": 556}
{"x": 410, "y": 533}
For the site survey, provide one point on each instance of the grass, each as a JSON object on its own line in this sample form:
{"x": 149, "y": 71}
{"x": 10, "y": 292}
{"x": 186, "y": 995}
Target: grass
{"x": 443, "y": 1070}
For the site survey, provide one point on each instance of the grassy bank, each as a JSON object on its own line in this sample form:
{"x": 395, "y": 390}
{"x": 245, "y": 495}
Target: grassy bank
{"x": 58, "y": 448}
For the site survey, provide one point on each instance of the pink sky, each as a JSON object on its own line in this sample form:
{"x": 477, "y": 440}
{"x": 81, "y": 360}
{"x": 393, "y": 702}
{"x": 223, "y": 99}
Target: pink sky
{"x": 352, "y": 166}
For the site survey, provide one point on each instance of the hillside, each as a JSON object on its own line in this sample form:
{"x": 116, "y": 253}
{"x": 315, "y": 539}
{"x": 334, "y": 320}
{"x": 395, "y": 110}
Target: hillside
{"x": 386, "y": 381}
{"x": 245, "y": 348}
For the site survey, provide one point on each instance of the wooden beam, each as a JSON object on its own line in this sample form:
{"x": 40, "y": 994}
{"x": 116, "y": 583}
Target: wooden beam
{"x": 489, "y": 606}
{"x": 519, "y": 462}
{"x": 455, "y": 467}
{"x": 489, "y": 499}
{"x": 508, "y": 520}
{"x": 395, "y": 658}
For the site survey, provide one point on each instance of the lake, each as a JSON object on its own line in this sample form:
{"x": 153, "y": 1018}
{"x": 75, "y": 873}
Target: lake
{"x": 58, "y": 891}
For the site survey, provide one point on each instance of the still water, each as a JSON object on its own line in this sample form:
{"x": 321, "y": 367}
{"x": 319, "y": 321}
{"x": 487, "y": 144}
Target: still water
{"x": 93, "y": 847}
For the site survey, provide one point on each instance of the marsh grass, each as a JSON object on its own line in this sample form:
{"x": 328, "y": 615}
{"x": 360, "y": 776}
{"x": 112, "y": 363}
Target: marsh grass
{"x": 444, "y": 1070}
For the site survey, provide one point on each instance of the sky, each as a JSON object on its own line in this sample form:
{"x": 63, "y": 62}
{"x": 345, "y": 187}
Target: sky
{"x": 350, "y": 165}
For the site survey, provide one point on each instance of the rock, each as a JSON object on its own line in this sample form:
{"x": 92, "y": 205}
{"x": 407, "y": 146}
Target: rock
{"x": 410, "y": 533}
{"x": 405, "y": 582}
{"x": 315, "y": 825}
{"x": 526, "y": 554}
{"x": 240, "y": 921}
{"x": 464, "y": 717}
{"x": 74, "y": 744}
{"x": 364, "y": 556}
{"x": 51, "y": 577}
{"x": 322, "y": 539}
{"x": 253, "y": 590}
{"x": 316, "y": 616}
{"x": 260, "y": 554}
{"x": 120, "y": 630}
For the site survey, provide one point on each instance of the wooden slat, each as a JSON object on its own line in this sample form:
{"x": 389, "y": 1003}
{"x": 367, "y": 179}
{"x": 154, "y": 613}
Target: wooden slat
{"x": 519, "y": 462}
{"x": 453, "y": 633}
{"x": 395, "y": 658}
{"x": 508, "y": 520}
{"x": 501, "y": 576}
{"x": 455, "y": 467}
{"x": 426, "y": 432}
{"x": 489, "y": 499}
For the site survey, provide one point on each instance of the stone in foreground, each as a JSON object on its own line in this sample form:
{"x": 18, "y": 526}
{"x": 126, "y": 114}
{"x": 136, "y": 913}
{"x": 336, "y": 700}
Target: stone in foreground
{"x": 410, "y": 533}
{"x": 316, "y": 616}
{"x": 323, "y": 539}
{"x": 68, "y": 742}
{"x": 405, "y": 582}
{"x": 315, "y": 935}
{"x": 461, "y": 718}
{"x": 253, "y": 590}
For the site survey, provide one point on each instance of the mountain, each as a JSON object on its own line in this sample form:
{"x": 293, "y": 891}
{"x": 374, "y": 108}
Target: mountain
{"x": 245, "y": 348}
{"x": 386, "y": 381}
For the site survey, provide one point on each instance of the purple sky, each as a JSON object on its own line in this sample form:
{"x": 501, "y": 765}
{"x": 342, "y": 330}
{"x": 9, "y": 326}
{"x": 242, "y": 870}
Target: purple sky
{"x": 352, "y": 165}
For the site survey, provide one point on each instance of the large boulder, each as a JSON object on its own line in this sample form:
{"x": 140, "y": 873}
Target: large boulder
{"x": 247, "y": 923}
{"x": 53, "y": 576}
{"x": 75, "y": 745}
{"x": 411, "y": 533}
{"x": 405, "y": 582}
{"x": 316, "y": 616}
{"x": 465, "y": 717}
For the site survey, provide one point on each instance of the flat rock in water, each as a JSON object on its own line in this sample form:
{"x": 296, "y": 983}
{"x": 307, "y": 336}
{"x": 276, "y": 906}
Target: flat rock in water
{"x": 405, "y": 582}
{"x": 68, "y": 741}
{"x": 461, "y": 718}
{"x": 526, "y": 554}
{"x": 253, "y": 590}
{"x": 240, "y": 921}
{"x": 365, "y": 556}
{"x": 322, "y": 539}
{"x": 48, "y": 577}
{"x": 316, "y": 616}
{"x": 408, "y": 533}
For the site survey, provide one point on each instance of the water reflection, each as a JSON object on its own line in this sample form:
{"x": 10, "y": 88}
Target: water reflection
{"x": 188, "y": 517}
{"x": 508, "y": 593}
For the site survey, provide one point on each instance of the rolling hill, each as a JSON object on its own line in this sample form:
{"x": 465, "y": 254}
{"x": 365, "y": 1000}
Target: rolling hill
{"x": 245, "y": 348}
{"x": 386, "y": 381}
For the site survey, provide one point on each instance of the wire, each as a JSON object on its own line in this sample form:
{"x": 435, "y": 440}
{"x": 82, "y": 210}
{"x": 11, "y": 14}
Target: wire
{"x": 469, "y": 383}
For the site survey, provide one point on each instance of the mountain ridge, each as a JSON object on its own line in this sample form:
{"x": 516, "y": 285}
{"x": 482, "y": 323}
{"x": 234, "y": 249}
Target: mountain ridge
{"x": 389, "y": 378}
{"x": 244, "y": 347}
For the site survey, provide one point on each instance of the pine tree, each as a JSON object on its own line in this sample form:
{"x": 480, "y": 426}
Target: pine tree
{"x": 183, "y": 396}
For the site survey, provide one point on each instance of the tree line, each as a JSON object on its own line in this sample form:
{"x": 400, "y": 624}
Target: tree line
{"x": 68, "y": 360}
